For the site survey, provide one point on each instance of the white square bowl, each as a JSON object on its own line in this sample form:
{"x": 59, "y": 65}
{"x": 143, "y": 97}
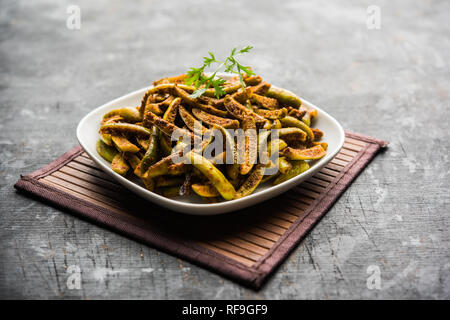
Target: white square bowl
{"x": 87, "y": 134}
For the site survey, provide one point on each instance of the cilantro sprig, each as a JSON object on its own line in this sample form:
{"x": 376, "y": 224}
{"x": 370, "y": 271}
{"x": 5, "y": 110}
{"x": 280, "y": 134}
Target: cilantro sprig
{"x": 197, "y": 77}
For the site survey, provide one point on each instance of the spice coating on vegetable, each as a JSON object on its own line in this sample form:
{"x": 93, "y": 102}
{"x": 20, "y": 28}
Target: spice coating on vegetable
{"x": 213, "y": 174}
{"x": 313, "y": 153}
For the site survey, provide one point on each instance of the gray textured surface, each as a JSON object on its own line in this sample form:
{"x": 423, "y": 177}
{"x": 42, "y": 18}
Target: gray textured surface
{"x": 391, "y": 83}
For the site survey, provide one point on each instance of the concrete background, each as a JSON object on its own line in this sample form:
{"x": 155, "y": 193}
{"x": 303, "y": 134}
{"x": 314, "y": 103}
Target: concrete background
{"x": 391, "y": 83}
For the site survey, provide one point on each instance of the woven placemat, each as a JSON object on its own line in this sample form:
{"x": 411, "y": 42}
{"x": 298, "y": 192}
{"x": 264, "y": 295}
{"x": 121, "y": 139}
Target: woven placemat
{"x": 246, "y": 245}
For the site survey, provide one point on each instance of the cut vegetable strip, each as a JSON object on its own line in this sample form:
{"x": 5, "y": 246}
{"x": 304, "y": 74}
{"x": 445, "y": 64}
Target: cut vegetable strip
{"x": 252, "y": 80}
{"x": 276, "y": 146}
{"x": 177, "y": 169}
{"x": 211, "y": 92}
{"x": 318, "y": 134}
{"x": 253, "y": 180}
{"x": 323, "y": 144}
{"x": 107, "y": 152}
{"x": 249, "y": 148}
{"x": 306, "y": 117}
{"x": 193, "y": 124}
{"x": 149, "y": 183}
{"x": 119, "y": 165}
{"x": 313, "y": 153}
{"x": 165, "y": 126}
{"x": 123, "y": 144}
{"x": 232, "y": 168}
{"x": 196, "y": 104}
{"x": 151, "y": 155}
{"x": 293, "y": 122}
{"x": 272, "y": 114}
{"x": 216, "y": 103}
{"x": 132, "y": 159}
{"x": 261, "y": 88}
{"x": 297, "y": 168}
{"x": 265, "y": 102}
{"x": 165, "y": 143}
{"x": 312, "y": 113}
{"x": 176, "y": 79}
{"x": 205, "y": 190}
{"x": 296, "y": 113}
{"x": 284, "y": 97}
{"x": 230, "y": 146}
{"x": 276, "y": 124}
{"x": 143, "y": 142}
{"x": 213, "y": 174}
{"x": 155, "y": 108}
{"x": 172, "y": 110}
{"x": 219, "y": 159}
{"x": 292, "y": 133}
{"x": 232, "y": 171}
{"x": 125, "y": 128}
{"x": 161, "y": 167}
{"x": 214, "y": 120}
{"x": 160, "y": 88}
{"x": 242, "y": 95}
{"x": 106, "y": 138}
{"x": 170, "y": 116}
{"x": 262, "y": 146}
{"x": 129, "y": 114}
{"x": 239, "y": 111}
{"x": 283, "y": 165}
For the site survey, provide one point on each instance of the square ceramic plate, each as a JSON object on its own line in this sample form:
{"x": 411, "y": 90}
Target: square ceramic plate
{"x": 87, "y": 134}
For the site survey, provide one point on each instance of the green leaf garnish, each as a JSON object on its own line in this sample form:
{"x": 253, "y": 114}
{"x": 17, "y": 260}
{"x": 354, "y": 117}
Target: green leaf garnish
{"x": 197, "y": 78}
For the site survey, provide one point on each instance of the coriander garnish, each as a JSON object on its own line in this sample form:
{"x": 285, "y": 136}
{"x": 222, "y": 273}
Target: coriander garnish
{"x": 197, "y": 78}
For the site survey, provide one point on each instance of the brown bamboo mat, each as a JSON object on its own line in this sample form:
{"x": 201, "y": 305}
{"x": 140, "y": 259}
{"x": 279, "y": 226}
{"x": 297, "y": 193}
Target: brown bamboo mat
{"x": 246, "y": 245}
